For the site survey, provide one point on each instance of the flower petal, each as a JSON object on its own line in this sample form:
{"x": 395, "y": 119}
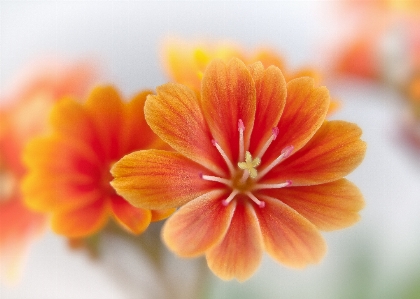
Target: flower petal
{"x": 135, "y": 125}
{"x": 156, "y": 179}
{"x": 305, "y": 111}
{"x": 158, "y": 215}
{"x": 329, "y": 206}
{"x": 133, "y": 219}
{"x": 271, "y": 98}
{"x": 107, "y": 112}
{"x": 198, "y": 225}
{"x": 335, "y": 151}
{"x": 240, "y": 252}
{"x": 174, "y": 114}
{"x": 228, "y": 94}
{"x": 81, "y": 222}
{"x": 288, "y": 237}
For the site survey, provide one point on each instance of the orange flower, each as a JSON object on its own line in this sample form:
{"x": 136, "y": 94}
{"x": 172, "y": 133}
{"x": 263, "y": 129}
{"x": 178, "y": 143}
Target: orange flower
{"x": 23, "y": 114}
{"x": 69, "y": 169}
{"x": 186, "y": 62}
{"x": 257, "y": 168}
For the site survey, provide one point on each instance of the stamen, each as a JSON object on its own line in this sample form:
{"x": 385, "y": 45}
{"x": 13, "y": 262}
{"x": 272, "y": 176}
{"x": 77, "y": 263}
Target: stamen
{"x": 241, "y": 129}
{"x": 216, "y": 179}
{"x": 275, "y": 133}
{"x": 260, "y": 203}
{"x": 225, "y": 157}
{"x": 226, "y": 201}
{"x": 273, "y": 186}
{"x": 284, "y": 154}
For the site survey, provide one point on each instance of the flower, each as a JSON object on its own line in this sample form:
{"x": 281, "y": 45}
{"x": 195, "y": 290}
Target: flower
{"x": 25, "y": 105}
{"x": 186, "y": 62}
{"x": 68, "y": 173}
{"x": 256, "y": 168}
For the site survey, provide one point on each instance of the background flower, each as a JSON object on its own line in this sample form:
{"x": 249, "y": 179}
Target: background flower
{"x": 69, "y": 169}
{"x": 23, "y": 114}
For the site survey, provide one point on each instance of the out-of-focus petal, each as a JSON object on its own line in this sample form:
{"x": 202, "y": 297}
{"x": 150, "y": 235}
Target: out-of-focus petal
{"x": 289, "y": 237}
{"x": 329, "y": 206}
{"x": 133, "y": 219}
{"x": 240, "y": 252}
{"x": 155, "y": 179}
{"x": 198, "y": 225}
{"x": 81, "y": 222}
{"x": 334, "y": 152}
{"x": 228, "y": 95}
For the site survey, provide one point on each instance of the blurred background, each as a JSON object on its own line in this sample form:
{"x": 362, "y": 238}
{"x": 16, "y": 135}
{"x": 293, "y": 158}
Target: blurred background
{"x": 376, "y": 258}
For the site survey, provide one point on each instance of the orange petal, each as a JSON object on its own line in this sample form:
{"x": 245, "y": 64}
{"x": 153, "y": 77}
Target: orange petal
{"x": 240, "y": 252}
{"x": 135, "y": 125}
{"x": 82, "y": 222}
{"x": 107, "y": 112}
{"x": 228, "y": 94}
{"x": 133, "y": 219}
{"x": 158, "y": 215}
{"x": 329, "y": 206}
{"x": 271, "y": 99}
{"x": 288, "y": 237}
{"x": 198, "y": 225}
{"x": 156, "y": 179}
{"x": 175, "y": 116}
{"x": 305, "y": 111}
{"x": 334, "y": 152}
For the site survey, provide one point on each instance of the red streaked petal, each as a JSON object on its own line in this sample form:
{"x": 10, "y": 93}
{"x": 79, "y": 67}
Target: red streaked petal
{"x": 305, "y": 111}
{"x": 288, "y": 237}
{"x": 156, "y": 179}
{"x": 329, "y": 206}
{"x": 198, "y": 225}
{"x": 81, "y": 222}
{"x": 271, "y": 98}
{"x": 174, "y": 114}
{"x": 240, "y": 252}
{"x": 135, "y": 220}
{"x": 334, "y": 152}
{"x": 228, "y": 94}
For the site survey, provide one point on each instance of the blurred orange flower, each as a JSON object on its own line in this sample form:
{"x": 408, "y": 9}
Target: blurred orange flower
{"x": 23, "y": 114}
{"x": 68, "y": 173}
{"x": 257, "y": 168}
{"x": 185, "y": 62}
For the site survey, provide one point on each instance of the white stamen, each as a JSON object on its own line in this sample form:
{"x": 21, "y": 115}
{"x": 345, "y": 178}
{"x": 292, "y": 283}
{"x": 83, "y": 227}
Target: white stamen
{"x": 284, "y": 154}
{"x": 275, "y": 133}
{"x": 273, "y": 186}
{"x": 241, "y": 129}
{"x": 225, "y": 157}
{"x": 216, "y": 179}
{"x": 244, "y": 177}
{"x": 226, "y": 201}
{"x": 260, "y": 203}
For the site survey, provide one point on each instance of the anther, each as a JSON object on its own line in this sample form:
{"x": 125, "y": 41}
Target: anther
{"x": 226, "y": 201}
{"x": 273, "y": 186}
{"x": 286, "y": 152}
{"x": 274, "y": 134}
{"x": 225, "y": 157}
{"x": 260, "y": 203}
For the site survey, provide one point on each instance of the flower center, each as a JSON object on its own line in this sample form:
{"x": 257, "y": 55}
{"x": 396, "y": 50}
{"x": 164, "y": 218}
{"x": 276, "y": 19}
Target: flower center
{"x": 245, "y": 177}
